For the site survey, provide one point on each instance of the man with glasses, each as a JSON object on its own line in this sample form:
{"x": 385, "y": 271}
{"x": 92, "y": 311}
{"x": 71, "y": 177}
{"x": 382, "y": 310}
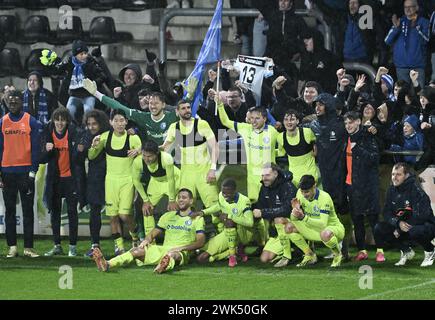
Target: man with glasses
{"x": 409, "y": 37}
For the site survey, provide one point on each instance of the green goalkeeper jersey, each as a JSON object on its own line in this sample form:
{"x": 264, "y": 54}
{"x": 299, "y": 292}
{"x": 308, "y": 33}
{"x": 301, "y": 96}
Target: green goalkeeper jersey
{"x": 180, "y": 230}
{"x": 239, "y": 211}
{"x": 320, "y": 212}
{"x": 148, "y": 127}
{"x": 259, "y": 145}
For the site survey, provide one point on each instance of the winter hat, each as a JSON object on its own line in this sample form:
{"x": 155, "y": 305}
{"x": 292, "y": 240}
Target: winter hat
{"x": 389, "y": 82}
{"x": 79, "y": 46}
{"x": 413, "y": 121}
{"x": 350, "y": 78}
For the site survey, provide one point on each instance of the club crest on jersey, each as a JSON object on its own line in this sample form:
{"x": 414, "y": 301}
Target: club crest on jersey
{"x": 163, "y": 125}
{"x": 235, "y": 211}
{"x": 266, "y": 139}
{"x": 188, "y": 222}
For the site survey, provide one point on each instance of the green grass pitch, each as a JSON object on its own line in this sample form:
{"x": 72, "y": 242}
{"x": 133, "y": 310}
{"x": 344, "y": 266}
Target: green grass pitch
{"x": 26, "y": 278}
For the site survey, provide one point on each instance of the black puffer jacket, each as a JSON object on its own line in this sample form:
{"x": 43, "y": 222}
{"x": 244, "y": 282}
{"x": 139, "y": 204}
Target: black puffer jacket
{"x": 275, "y": 201}
{"x": 408, "y": 195}
{"x": 129, "y": 95}
{"x": 365, "y": 173}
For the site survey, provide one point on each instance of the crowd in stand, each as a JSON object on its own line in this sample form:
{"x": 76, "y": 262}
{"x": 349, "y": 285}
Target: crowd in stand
{"x": 339, "y": 122}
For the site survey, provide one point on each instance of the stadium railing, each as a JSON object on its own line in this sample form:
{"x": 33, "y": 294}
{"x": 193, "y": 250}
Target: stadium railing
{"x": 169, "y": 14}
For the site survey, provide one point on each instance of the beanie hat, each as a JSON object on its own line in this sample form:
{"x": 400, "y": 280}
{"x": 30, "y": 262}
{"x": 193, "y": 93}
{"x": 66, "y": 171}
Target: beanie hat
{"x": 79, "y": 46}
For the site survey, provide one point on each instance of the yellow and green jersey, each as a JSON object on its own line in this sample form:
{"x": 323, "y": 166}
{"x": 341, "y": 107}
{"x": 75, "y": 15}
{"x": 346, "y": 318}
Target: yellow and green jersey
{"x": 180, "y": 230}
{"x": 320, "y": 212}
{"x": 192, "y": 141}
{"x": 162, "y": 170}
{"x": 239, "y": 211}
{"x": 259, "y": 145}
{"x": 150, "y": 128}
{"x": 299, "y": 149}
{"x": 116, "y": 148}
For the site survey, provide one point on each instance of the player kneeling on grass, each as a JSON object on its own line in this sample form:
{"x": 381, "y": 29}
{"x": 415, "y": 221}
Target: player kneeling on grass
{"x": 313, "y": 218}
{"x": 183, "y": 234}
{"x": 164, "y": 178}
{"x": 238, "y": 220}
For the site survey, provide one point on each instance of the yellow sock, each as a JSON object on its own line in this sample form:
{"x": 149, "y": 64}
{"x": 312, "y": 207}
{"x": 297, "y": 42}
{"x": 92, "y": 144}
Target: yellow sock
{"x": 261, "y": 229}
{"x": 284, "y": 239}
{"x": 148, "y": 224}
{"x": 333, "y": 245}
{"x": 119, "y": 243}
{"x": 231, "y": 234}
{"x": 300, "y": 242}
{"x": 122, "y": 259}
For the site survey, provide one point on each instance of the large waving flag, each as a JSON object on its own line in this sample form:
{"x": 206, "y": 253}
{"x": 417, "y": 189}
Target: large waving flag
{"x": 210, "y": 53}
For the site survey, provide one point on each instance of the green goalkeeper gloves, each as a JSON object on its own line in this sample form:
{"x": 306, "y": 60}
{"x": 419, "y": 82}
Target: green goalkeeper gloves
{"x": 48, "y": 57}
{"x": 90, "y": 86}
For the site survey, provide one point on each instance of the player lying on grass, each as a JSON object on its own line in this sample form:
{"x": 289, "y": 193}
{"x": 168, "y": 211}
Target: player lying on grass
{"x": 183, "y": 234}
{"x": 236, "y": 215}
{"x": 313, "y": 218}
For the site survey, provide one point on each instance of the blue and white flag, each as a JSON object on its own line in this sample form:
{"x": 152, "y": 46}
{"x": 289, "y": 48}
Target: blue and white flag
{"x": 210, "y": 53}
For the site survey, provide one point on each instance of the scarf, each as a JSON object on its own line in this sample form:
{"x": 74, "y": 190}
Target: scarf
{"x": 77, "y": 74}
{"x": 41, "y": 108}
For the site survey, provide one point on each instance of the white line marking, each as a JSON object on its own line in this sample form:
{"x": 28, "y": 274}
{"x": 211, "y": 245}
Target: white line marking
{"x": 397, "y": 290}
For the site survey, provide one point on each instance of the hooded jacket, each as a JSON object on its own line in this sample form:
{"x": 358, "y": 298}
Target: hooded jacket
{"x": 129, "y": 95}
{"x": 409, "y": 43}
{"x": 331, "y": 138}
{"x": 275, "y": 201}
{"x": 408, "y": 195}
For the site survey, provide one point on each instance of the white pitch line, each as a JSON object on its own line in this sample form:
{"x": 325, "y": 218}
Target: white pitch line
{"x": 398, "y": 289}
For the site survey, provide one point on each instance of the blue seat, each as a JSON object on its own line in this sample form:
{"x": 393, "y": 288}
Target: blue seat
{"x": 10, "y": 63}
{"x": 8, "y": 27}
{"x": 36, "y": 29}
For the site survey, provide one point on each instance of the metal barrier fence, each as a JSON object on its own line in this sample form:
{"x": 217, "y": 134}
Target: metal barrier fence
{"x": 169, "y": 14}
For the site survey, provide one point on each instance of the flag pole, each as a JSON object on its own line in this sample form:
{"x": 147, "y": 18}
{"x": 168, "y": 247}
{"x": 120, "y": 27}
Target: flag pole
{"x": 217, "y": 84}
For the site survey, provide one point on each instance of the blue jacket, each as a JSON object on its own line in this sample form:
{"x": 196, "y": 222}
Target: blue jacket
{"x": 414, "y": 142}
{"x": 409, "y": 43}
